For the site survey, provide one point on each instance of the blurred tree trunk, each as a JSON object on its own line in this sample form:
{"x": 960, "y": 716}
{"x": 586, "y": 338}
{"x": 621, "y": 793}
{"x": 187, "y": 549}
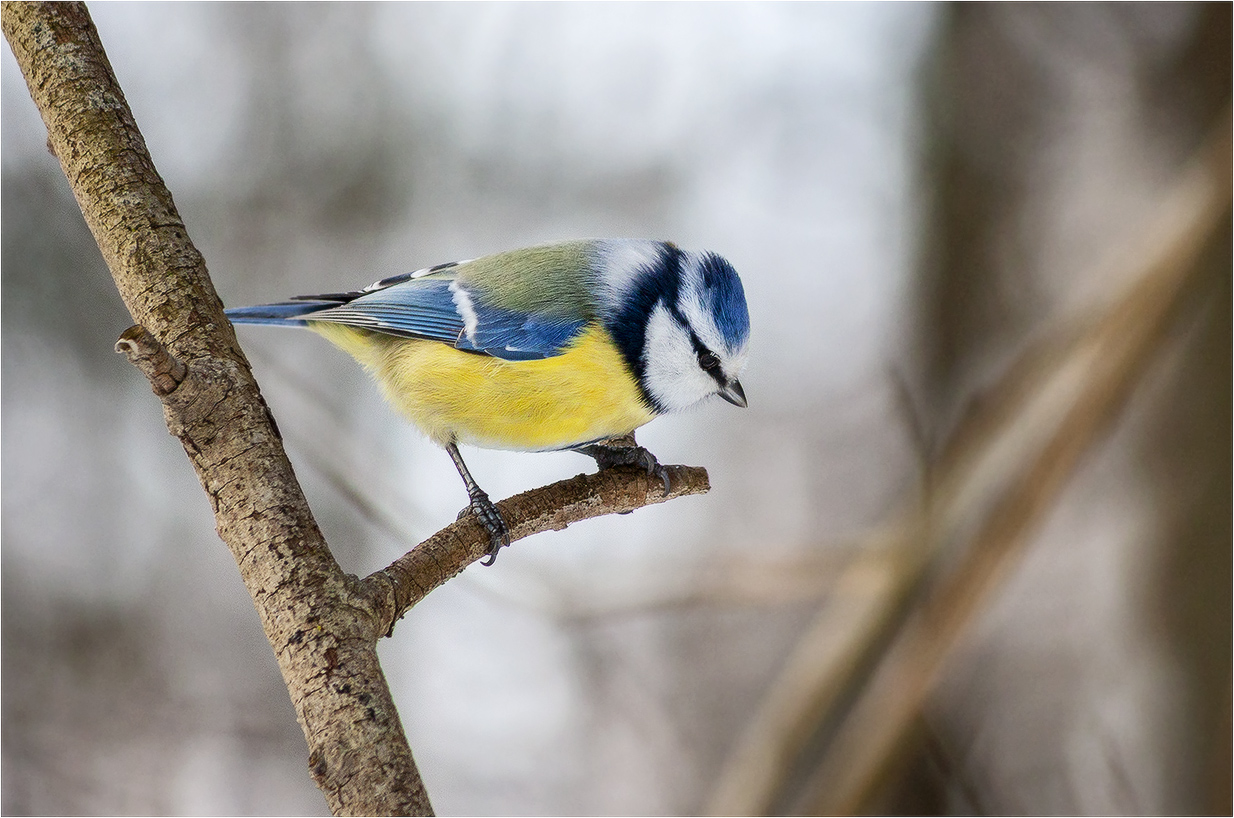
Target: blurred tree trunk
{"x": 1052, "y": 130}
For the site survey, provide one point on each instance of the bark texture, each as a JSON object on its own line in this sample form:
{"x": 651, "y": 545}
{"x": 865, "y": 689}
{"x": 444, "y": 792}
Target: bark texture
{"x": 613, "y": 491}
{"x": 316, "y": 619}
{"x": 322, "y": 624}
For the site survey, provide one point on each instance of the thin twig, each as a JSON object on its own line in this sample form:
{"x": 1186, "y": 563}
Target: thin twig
{"x": 551, "y": 508}
{"x": 831, "y": 727}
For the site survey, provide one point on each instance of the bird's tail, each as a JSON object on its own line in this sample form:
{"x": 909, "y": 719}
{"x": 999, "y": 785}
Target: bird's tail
{"x": 285, "y": 314}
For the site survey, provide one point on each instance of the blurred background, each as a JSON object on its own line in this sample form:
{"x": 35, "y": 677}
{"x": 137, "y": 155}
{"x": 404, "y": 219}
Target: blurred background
{"x": 917, "y": 197}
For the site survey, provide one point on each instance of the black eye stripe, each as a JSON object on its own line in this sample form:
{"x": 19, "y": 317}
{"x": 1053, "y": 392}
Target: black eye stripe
{"x": 707, "y": 360}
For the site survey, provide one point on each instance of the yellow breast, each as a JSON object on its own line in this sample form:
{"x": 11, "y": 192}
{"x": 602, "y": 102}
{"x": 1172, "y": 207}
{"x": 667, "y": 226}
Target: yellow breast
{"x": 584, "y": 394}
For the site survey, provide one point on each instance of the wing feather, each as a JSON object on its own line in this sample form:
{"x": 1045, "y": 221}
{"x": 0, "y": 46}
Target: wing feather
{"x": 441, "y": 308}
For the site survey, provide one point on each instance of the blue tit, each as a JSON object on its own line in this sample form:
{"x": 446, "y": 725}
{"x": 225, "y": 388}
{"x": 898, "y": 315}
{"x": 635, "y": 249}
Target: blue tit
{"x": 572, "y": 345}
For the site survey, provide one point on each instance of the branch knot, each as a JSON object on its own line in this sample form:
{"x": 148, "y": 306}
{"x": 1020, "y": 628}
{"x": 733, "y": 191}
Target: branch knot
{"x": 164, "y": 371}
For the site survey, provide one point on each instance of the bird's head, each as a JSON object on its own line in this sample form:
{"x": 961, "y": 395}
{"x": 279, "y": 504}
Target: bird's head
{"x": 685, "y": 326}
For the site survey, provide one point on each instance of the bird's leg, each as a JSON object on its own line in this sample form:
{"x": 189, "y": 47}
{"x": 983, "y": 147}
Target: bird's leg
{"x": 625, "y": 451}
{"x": 482, "y": 507}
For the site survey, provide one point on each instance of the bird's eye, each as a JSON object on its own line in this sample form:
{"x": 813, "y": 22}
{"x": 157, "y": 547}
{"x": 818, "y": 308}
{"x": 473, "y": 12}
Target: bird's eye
{"x": 708, "y": 361}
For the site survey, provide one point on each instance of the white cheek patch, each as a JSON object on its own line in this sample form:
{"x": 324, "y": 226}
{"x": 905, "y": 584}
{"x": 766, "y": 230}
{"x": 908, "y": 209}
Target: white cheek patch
{"x": 670, "y": 365}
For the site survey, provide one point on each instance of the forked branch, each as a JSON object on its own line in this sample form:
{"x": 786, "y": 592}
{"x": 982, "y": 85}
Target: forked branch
{"x": 322, "y": 624}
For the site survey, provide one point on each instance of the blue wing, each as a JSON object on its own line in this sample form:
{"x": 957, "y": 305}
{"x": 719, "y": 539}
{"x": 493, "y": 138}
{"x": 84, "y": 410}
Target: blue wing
{"x": 430, "y": 304}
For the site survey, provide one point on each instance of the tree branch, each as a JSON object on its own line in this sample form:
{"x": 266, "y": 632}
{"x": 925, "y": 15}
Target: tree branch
{"x": 322, "y": 624}
{"x": 316, "y": 619}
{"x": 613, "y": 491}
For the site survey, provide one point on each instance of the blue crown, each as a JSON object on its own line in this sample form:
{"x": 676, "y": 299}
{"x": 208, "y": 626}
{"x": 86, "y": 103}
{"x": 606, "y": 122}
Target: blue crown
{"x": 727, "y": 299}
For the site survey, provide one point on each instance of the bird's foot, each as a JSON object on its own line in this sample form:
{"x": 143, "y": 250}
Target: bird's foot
{"x": 493, "y": 522}
{"x": 625, "y": 451}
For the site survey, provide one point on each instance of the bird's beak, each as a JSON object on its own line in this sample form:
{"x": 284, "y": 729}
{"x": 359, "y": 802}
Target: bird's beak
{"x": 733, "y": 393}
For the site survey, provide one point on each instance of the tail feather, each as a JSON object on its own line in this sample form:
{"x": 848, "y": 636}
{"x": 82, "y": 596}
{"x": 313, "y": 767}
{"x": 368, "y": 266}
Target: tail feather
{"x": 286, "y": 314}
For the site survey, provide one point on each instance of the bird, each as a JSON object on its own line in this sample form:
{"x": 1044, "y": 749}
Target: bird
{"x": 571, "y": 345}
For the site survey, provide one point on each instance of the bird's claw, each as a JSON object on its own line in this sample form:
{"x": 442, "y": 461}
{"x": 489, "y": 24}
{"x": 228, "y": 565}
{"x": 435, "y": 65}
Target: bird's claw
{"x": 654, "y": 469}
{"x": 623, "y": 451}
{"x": 493, "y": 522}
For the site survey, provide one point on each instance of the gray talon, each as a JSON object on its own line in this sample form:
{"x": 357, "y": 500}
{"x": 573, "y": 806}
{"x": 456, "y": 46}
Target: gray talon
{"x": 648, "y": 461}
{"x": 624, "y": 451}
{"x": 482, "y": 507}
{"x": 662, "y": 473}
{"x": 493, "y": 522}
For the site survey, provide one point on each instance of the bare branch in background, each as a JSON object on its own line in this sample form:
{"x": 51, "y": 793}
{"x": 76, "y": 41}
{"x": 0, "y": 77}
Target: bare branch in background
{"x": 837, "y": 719}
